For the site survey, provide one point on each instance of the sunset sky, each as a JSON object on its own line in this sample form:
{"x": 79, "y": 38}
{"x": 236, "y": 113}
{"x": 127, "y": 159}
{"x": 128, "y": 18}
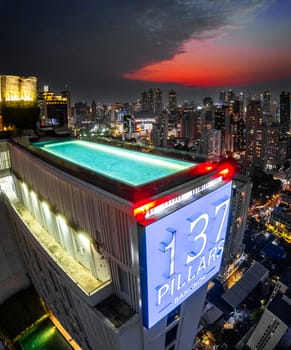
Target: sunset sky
{"x": 111, "y": 50}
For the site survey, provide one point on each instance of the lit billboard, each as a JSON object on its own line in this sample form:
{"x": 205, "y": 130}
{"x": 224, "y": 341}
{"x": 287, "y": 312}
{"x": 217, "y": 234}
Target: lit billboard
{"x": 181, "y": 251}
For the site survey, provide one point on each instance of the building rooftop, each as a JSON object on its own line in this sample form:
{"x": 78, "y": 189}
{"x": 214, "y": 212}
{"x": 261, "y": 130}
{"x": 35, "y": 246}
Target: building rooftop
{"x": 131, "y": 175}
{"x": 123, "y": 165}
{"x": 116, "y": 310}
{"x": 281, "y": 307}
{"x": 239, "y": 292}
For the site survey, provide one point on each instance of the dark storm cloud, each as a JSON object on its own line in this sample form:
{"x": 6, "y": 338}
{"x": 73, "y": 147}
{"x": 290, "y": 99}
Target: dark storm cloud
{"x": 90, "y": 44}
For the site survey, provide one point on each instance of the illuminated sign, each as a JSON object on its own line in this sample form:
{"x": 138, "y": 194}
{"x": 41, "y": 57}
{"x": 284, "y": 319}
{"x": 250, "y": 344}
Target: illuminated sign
{"x": 183, "y": 197}
{"x": 181, "y": 252}
{"x": 156, "y": 207}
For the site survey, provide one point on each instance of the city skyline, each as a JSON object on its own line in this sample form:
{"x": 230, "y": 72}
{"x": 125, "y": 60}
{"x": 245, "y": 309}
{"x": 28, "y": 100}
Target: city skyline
{"x": 111, "y": 51}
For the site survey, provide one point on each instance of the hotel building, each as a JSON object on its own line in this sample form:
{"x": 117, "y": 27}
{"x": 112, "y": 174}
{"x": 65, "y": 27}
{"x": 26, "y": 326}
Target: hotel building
{"x": 120, "y": 245}
{"x": 55, "y": 110}
{"x": 18, "y": 102}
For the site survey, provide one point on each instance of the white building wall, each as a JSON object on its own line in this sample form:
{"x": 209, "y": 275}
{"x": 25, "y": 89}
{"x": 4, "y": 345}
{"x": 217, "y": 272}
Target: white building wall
{"x": 109, "y": 221}
{"x": 13, "y": 274}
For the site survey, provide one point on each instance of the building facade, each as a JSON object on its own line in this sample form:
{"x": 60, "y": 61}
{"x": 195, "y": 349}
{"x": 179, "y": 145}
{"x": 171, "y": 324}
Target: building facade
{"x": 55, "y": 110}
{"x": 275, "y": 320}
{"x": 254, "y": 133}
{"x": 119, "y": 265}
{"x": 285, "y": 112}
{"x": 18, "y": 102}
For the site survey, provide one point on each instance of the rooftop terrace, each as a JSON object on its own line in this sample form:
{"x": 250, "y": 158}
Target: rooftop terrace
{"x": 129, "y": 174}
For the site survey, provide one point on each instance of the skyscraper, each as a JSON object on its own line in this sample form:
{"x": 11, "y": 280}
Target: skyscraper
{"x": 242, "y": 188}
{"x": 18, "y": 91}
{"x": 274, "y": 322}
{"x": 285, "y": 112}
{"x": 152, "y": 101}
{"x": 172, "y": 101}
{"x": 55, "y": 109}
{"x": 222, "y": 97}
{"x": 254, "y": 133}
{"x": 18, "y": 102}
{"x": 116, "y": 242}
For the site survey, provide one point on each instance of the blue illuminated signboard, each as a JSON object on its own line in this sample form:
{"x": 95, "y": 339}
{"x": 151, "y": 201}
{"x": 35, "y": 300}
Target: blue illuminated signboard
{"x": 180, "y": 252}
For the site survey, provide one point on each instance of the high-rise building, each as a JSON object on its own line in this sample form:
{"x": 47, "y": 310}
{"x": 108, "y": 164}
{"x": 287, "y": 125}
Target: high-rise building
{"x": 221, "y": 122}
{"x": 266, "y": 102}
{"x": 120, "y": 245}
{"x": 189, "y": 125}
{"x": 273, "y": 149}
{"x": 238, "y": 131}
{"x": 210, "y": 144}
{"x": 254, "y": 133}
{"x": 152, "y": 101}
{"x": 207, "y": 117}
{"x": 158, "y": 101}
{"x": 230, "y": 96}
{"x": 172, "y": 101}
{"x": 222, "y": 97}
{"x": 241, "y": 196}
{"x": 55, "y": 109}
{"x": 18, "y": 91}
{"x": 18, "y": 102}
{"x": 275, "y": 320}
{"x": 285, "y": 112}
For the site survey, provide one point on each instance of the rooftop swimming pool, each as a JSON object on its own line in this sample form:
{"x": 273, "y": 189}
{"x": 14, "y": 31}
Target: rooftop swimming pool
{"x": 123, "y": 165}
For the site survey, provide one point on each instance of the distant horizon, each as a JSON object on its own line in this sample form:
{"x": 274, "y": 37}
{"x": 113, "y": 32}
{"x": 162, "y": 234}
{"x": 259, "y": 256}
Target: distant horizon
{"x": 111, "y": 51}
{"x": 188, "y": 94}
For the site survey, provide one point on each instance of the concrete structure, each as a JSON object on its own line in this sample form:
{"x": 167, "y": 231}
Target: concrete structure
{"x": 122, "y": 264}
{"x": 210, "y": 144}
{"x": 285, "y": 111}
{"x": 55, "y": 110}
{"x": 18, "y": 102}
{"x": 254, "y": 133}
{"x": 274, "y": 322}
{"x": 255, "y": 275}
{"x": 17, "y": 91}
{"x": 242, "y": 189}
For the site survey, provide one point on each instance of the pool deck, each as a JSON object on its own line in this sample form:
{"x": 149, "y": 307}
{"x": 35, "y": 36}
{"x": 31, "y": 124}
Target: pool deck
{"x": 130, "y": 193}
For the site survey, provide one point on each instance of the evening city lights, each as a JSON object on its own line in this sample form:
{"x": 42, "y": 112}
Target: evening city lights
{"x": 145, "y": 175}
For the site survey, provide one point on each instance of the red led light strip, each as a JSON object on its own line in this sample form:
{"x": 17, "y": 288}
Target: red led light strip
{"x": 225, "y": 170}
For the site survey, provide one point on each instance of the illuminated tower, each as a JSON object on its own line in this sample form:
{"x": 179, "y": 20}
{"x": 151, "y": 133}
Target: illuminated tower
{"x": 220, "y": 124}
{"x": 254, "y": 133}
{"x": 120, "y": 245}
{"x": 55, "y": 109}
{"x": 18, "y": 101}
{"x": 16, "y": 91}
{"x": 273, "y": 145}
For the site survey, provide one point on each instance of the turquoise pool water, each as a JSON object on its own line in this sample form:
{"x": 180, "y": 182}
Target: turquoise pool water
{"x": 43, "y": 336}
{"x": 131, "y": 167}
